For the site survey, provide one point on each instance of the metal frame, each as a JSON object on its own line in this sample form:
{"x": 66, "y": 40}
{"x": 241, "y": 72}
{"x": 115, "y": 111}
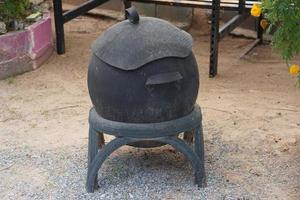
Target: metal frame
{"x": 205, "y": 4}
{"x": 214, "y": 39}
{"x": 61, "y": 18}
{"x": 242, "y": 7}
{"x": 139, "y": 134}
{"x": 259, "y": 38}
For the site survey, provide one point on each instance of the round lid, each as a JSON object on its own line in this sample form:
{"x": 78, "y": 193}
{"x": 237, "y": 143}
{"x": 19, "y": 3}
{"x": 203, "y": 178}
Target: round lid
{"x": 132, "y": 43}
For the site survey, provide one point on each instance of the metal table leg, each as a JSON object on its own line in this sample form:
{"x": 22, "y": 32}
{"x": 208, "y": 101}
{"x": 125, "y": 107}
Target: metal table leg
{"x": 214, "y": 40}
{"x": 59, "y": 26}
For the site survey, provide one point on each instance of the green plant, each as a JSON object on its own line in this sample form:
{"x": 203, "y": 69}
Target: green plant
{"x": 284, "y": 16}
{"x": 13, "y": 10}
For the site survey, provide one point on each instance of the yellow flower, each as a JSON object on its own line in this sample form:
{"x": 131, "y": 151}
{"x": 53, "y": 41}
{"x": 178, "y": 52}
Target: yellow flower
{"x": 264, "y": 23}
{"x": 256, "y": 10}
{"x": 294, "y": 69}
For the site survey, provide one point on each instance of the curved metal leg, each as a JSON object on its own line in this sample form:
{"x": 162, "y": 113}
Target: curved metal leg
{"x": 100, "y": 145}
{"x": 199, "y": 150}
{"x": 196, "y": 158}
{"x": 95, "y": 141}
{"x": 181, "y": 146}
{"x": 100, "y": 158}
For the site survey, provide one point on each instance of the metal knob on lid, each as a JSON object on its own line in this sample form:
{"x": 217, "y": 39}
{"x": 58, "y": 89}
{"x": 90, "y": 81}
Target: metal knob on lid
{"x": 132, "y": 15}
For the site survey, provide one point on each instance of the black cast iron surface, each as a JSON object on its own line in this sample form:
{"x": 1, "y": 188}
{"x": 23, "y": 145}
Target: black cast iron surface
{"x": 143, "y": 70}
{"x": 159, "y": 91}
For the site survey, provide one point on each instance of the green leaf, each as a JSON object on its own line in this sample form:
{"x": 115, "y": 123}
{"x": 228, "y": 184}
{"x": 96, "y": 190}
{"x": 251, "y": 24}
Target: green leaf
{"x": 285, "y": 16}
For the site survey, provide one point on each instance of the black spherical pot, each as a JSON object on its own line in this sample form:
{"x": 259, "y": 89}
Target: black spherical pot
{"x": 143, "y": 72}
{"x": 161, "y": 90}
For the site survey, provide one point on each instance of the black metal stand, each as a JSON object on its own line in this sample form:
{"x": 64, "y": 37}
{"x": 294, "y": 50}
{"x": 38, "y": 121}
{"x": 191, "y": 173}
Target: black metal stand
{"x": 135, "y": 134}
{"x": 214, "y": 39}
{"x": 59, "y": 27}
{"x": 259, "y": 29}
{"x": 61, "y": 18}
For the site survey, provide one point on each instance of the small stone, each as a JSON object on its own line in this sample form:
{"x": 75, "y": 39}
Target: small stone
{"x": 102, "y": 195}
{"x": 232, "y": 177}
{"x": 291, "y": 141}
{"x": 18, "y": 25}
{"x": 254, "y": 172}
{"x": 45, "y": 6}
{"x": 130, "y": 195}
{"x": 3, "y": 28}
{"x": 277, "y": 139}
{"x": 34, "y": 16}
{"x": 36, "y": 2}
{"x": 279, "y": 114}
{"x": 284, "y": 148}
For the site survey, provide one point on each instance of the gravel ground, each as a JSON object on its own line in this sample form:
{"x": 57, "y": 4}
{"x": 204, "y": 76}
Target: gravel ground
{"x": 251, "y": 130}
{"x": 129, "y": 173}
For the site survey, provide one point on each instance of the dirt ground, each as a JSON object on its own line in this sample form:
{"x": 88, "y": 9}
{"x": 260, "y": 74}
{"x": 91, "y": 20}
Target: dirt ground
{"x": 251, "y": 114}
